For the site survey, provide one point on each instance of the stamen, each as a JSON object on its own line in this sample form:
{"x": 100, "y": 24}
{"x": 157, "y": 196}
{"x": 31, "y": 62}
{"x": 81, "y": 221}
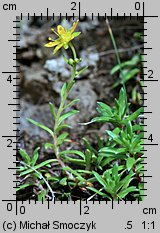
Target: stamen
{"x": 55, "y": 32}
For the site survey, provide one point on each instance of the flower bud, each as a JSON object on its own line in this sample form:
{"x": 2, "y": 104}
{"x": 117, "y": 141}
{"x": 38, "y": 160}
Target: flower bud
{"x": 70, "y": 62}
{"x": 76, "y": 60}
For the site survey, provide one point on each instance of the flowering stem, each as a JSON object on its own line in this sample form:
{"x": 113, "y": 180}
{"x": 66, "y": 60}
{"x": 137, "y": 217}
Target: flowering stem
{"x": 117, "y": 54}
{"x": 61, "y": 108}
{"x": 73, "y": 51}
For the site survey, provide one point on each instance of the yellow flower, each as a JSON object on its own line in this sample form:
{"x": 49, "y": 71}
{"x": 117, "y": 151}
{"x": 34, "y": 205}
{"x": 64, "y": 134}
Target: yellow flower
{"x": 64, "y": 37}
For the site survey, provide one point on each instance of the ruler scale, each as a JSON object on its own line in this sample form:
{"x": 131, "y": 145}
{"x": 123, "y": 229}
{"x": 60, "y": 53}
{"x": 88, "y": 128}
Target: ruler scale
{"x": 93, "y": 216}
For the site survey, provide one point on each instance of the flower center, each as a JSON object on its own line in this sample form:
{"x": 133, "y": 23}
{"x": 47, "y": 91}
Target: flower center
{"x": 66, "y": 37}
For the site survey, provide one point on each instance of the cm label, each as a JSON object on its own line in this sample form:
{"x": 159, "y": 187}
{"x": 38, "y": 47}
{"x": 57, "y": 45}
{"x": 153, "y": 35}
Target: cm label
{"x": 9, "y": 7}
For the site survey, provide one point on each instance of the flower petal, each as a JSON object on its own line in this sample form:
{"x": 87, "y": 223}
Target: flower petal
{"x": 61, "y": 30}
{"x": 57, "y": 48}
{"x": 51, "y": 44}
{"x": 74, "y": 26}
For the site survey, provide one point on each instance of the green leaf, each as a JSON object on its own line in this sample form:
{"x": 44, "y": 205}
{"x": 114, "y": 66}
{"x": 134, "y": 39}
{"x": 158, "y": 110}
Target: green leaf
{"x": 74, "y": 172}
{"x": 88, "y": 159}
{"x": 63, "y": 181}
{"x": 75, "y": 152}
{"x": 71, "y": 103}
{"x": 75, "y": 34}
{"x": 104, "y": 109}
{"x": 25, "y": 156}
{"x": 126, "y": 181}
{"x": 88, "y": 145}
{"x": 78, "y": 73}
{"x": 126, "y": 139}
{"x": 137, "y": 128}
{"x": 130, "y": 162}
{"x": 41, "y": 126}
{"x": 114, "y": 151}
{"x": 61, "y": 138}
{"x": 38, "y": 166}
{"x": 140, "y": 167}
{"x": 134, "y": 61}
{"x": 102, "y": 119}
{"x": 66, "y": 115}
{"x": 105, "y": 161}
{"x": 100, "y": 141}
{"x": 115, "y": 137}
{"x": 130, "y": 74}
{"x": 107, "y": 157}
{"x": 70, "y": 85}
{"x": 136, "y": 140}
{"x": 49, "y": 146}
{"x": 35, "y": 156}
{"x": 63, "y": 90}
{"x": 115, "y": 172}
{"x": 98, "y": 192}
{"x": 122, "y": 102}
{"x": 86, "y": 172}
{"x": 41, "y": 195}
{"x": 108, "y": 176}
{"x": 75, "y": 161}
{"x": 134, "y": 94}
{"x": 23, "y": 186}
{"x": 118, "y": 186}
{"x": 125, "y": 192}
{"x": 129, "y": 128}
{"x": 134, "y": 115}
{"x": 100, "y": 179}
{"x": 52, "y": 109}
{"x": 61, "y": 127}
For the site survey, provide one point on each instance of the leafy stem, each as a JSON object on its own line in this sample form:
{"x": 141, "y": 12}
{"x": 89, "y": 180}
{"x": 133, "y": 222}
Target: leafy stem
{"x": 40, "y": 177}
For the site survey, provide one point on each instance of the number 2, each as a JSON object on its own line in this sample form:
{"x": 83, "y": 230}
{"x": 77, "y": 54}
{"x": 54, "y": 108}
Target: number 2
{"x": 10, "y": 142}
{"x": 87, "y": 209}
{"x": 150, "y": 73}
{"x": 74, "y": 6}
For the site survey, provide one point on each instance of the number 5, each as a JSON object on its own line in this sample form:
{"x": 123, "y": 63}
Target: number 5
{"x": 129, "y": 225}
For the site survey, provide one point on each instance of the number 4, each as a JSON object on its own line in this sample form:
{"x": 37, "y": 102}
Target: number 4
{"x": 150, "y": 138}
{"x": 9, "y": 79}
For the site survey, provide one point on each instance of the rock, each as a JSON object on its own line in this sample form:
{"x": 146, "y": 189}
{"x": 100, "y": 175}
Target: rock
{"x": 35, "y": 85}
{"x": 89, "y": 58}
{"x": 89, "y": 24}
{"x": 58, "y": 66}
{"x": 28, "y": 55}
{"x": 40, "y": 114}
{"x": 39, "y": 53}
{"x": 83, "y": 91}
